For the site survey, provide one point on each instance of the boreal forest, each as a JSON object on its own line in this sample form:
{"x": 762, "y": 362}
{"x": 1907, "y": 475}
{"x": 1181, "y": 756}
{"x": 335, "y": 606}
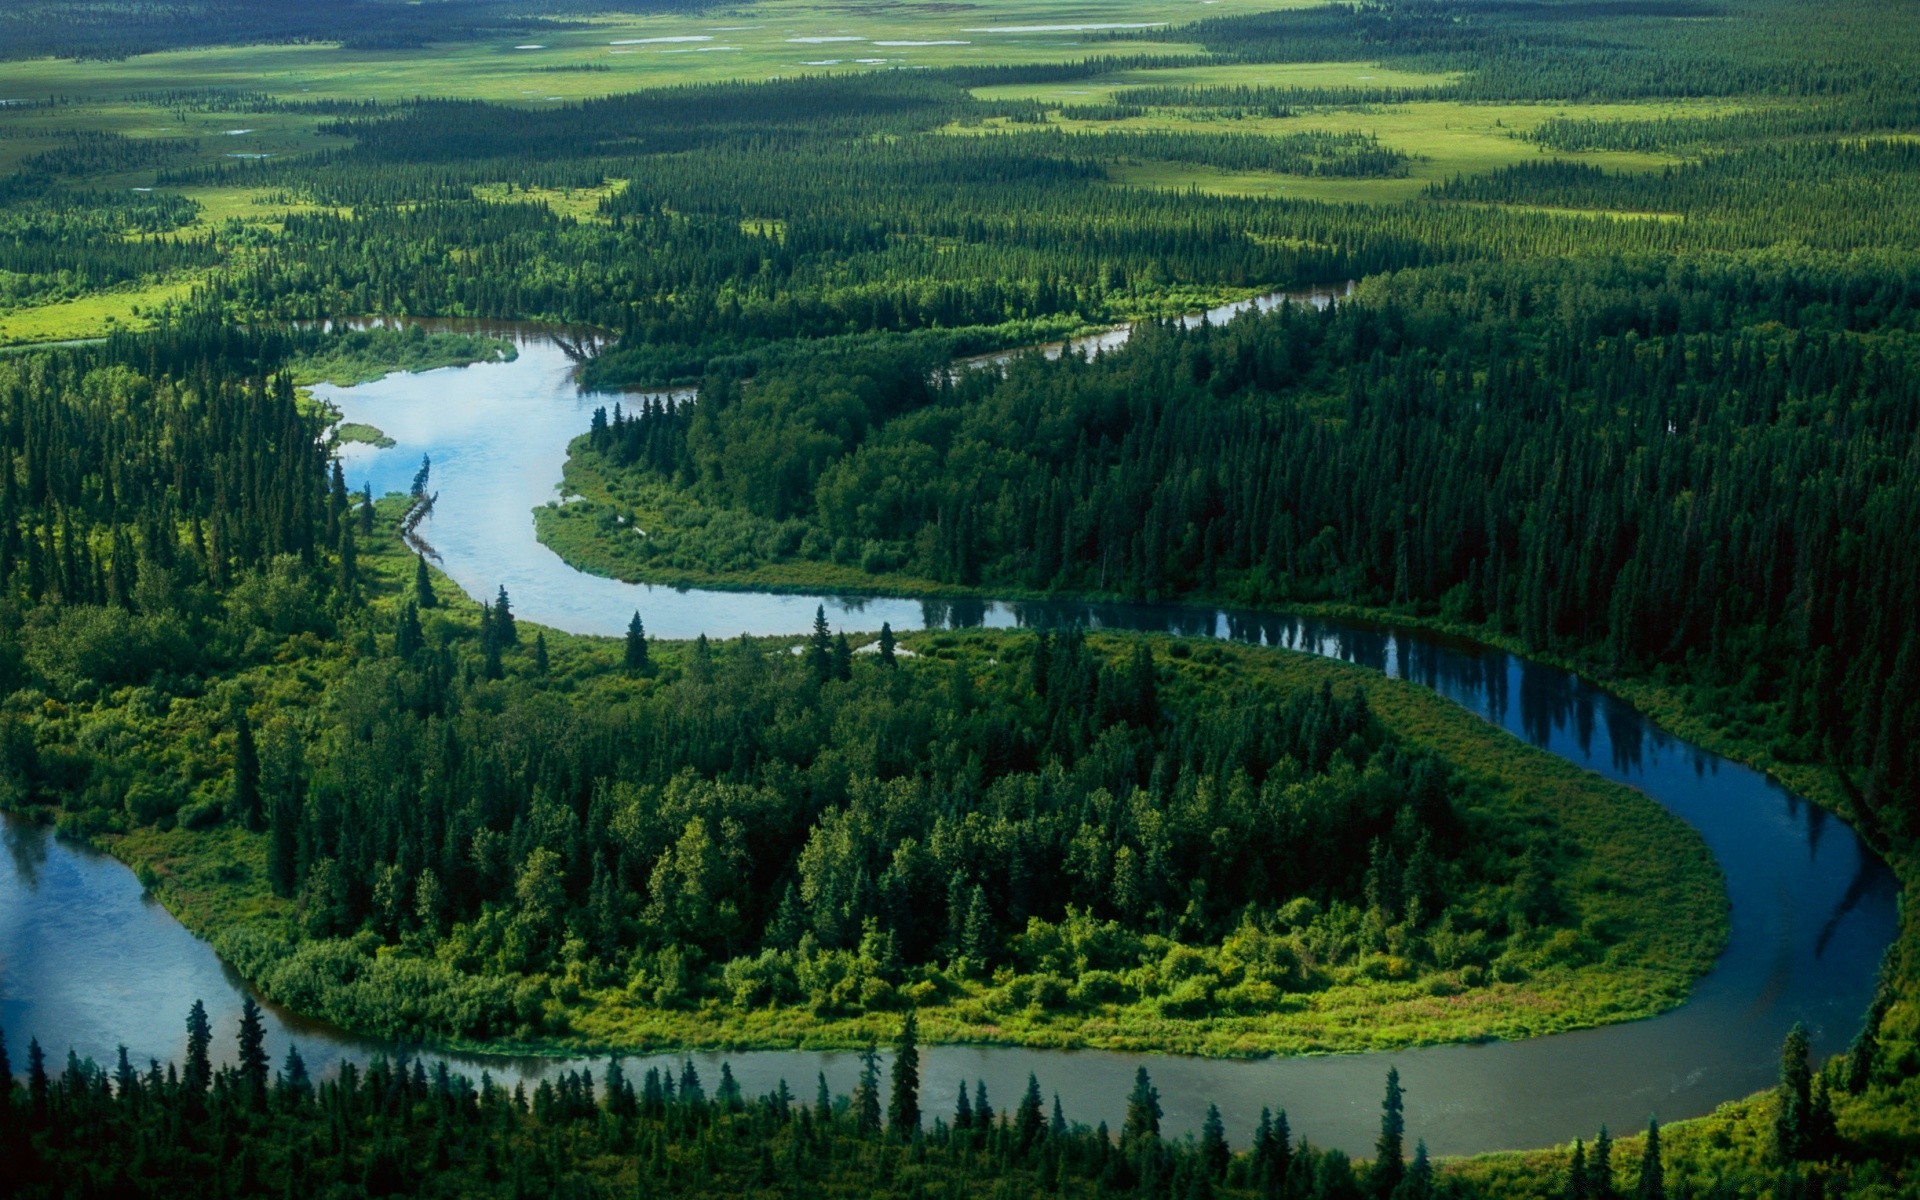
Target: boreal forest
{"x": 1246, "y": 598}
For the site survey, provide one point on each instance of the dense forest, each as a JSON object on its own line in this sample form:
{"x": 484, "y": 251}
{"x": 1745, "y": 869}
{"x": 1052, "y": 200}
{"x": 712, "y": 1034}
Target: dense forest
{"x": 1636, "y": 392}
{"x": 1742, "y": 502}
{"x": 396, "y": 1127}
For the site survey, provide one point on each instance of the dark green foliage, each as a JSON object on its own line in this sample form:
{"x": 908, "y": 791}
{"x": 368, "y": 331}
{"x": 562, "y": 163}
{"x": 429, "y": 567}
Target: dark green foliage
{"x": 903, "y": 1102}
{"x": 390, "y": 1126}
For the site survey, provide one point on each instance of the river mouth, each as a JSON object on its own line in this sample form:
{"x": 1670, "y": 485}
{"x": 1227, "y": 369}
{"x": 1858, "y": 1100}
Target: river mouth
{"x": 87, "y": 961}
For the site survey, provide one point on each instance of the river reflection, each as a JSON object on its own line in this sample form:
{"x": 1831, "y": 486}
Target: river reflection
{"x": 86, "y": 962}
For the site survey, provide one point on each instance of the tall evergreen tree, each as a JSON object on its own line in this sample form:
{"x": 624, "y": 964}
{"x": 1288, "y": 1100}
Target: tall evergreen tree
{"x": 1389, "y": 1151}
{"x": 423, "y": 593}
{"x": 903, "y": 1104}
{"x": 199, "y": 1069}
{"x": 866, "y": 1094}
{"x": 887, "y": 656}
{"x": 1793, "y": 1097}
{"x": 246, "y": 804}
{"x": 820, "y": 646}
{"x": 637, "y": 659}
{"x": 1214, "y": 1152}
{"x": 253, "y": 1061}
{"x": 1029, "y": 1117}
{"x": 505, "y": 630}
{"x": 1142, "y": 1122}
{"x": 1653, "y": 1178}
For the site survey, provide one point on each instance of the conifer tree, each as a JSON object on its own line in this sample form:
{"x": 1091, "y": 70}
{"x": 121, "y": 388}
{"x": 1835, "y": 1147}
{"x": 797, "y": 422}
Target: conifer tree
{"x": 1600, "y": 1167}
{"x": 887, "y": 658}
{"x": 1029, "y": 1119}
{"x": 246, "y": 774}
{"x": 423, "y": 593}
{"x": 1653, "y": 1179}
{"x": 1793, "y": 1097}
{"x": 963, "y": 1109}
{"x": 820, "y": 646}
{"x": 842, "y": 658}
{"x": 407, "y": 636}
{"x": 1214, "y": 1153}
{"x": 199, "y": 1070}
{"x": 866, "y": 1094}
{"x": 1389, "y": 1151}
{"x": 540, "y": 663}
{"x": 636, "y": 658}
{"x": 253, "y": 1059}
{"x": 903, "y": 1105}
{"x": 1143, "y": 1111}
{"x": 505, "y": 630}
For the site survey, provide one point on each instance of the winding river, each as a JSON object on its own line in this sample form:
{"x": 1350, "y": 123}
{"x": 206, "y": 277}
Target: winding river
{"x": 88, "y": 961}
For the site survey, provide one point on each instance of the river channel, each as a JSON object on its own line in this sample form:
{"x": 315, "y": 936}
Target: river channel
{"x": 88, "y": 961}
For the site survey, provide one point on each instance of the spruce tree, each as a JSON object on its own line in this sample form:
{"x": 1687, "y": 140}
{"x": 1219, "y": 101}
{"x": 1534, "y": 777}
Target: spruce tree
{"x": 637, "y": 660}
{"x": 253, "y": 1054}
{"x": 1389, "y": 1152}
{"x": 1600, "y": 1167}
{"x": 199, "y": 1070}
{"x": 1793, "y": 1097}
{"x": 866, "y": 1094}
{"x": 842, "y": 659}
{"x": 1577, "y": 1187}
{"x": 903, "y": 1104}
{"x": 365, "y": 514}
{"x": 39, "y": 1086}
{"x": 820, "y": 646}
{"x": 540, "y": 663}
{"x": 407, "y": 636}
{"x": 505, "y": 630}
{"x": 1029, "y": 1119}
{"x": 246, "y": 775}
{"x": 1653, "y": 1179}
{"x": 1143, "y": 1111}
{"x": 1214, "y": 1154}
{"x": 423, "y": 593}
{"x": 887, "y": 658}
{"x": 982, "y": 1111}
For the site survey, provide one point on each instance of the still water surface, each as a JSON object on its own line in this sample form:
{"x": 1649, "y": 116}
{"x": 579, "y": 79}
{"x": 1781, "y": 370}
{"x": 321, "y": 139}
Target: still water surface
{"x": 88, "y": 961}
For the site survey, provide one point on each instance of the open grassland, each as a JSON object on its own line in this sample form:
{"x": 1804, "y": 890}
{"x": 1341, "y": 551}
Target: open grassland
{"x": 625, "y": 53}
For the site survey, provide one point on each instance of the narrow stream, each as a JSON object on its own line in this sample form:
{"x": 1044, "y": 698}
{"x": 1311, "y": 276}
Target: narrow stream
{"x": 87, "y": 961}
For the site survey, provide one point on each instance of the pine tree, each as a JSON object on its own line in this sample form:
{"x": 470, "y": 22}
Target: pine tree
{"x": 982, "y": 1111}
{"x": 887, "y": 658}
{"x": 842, "y": 658}
{"x": 1793, "y": 1097}
{"x": 1389, "y": 1152}
{"x": 1214, "y": 1154}
{"x": 423, "y": 593}
{"x": 365, "y": 515}
{"x": 1029, "y": 1119}
{"x": 1418, "y": 1185}
{"x": 1600, "y": 1167}
{"x": 1653, "y": 1179}
{"x": 1577, "y": 1185}
{"x": 963, "y": 1109}
{"x": 866, "y": 1094}
{"x": 38, "y": 1085}
{"x": 820, "y": 646}
{"x": 1143, "y": 1111}
{"x": 903, "y": 1105}
{"x": 253, "y": 1054}
{"x": 505, "y": 630}
{"x": 637, "y": 659}
{"x": 246, "y": 775}
{"x": 540, "y": 663}
{"x": 199, "y": 1069}
{"x": 407, "y": 636}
